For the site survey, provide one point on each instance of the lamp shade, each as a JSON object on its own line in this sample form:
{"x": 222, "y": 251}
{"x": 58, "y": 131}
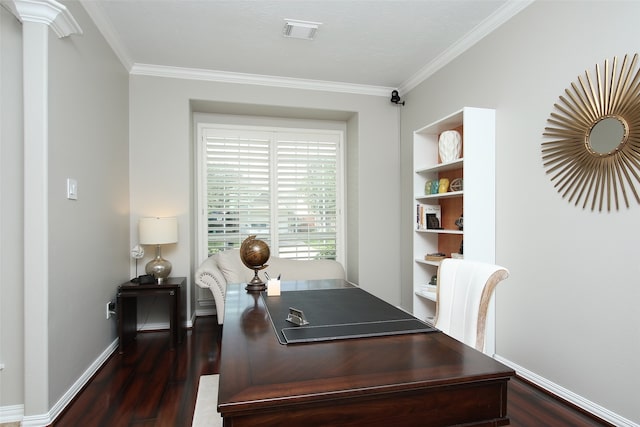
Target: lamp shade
{"x": 158, "y": 231}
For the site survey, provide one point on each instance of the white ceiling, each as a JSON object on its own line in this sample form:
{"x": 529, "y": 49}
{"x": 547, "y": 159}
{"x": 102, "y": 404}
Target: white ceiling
{"x": 362, "y": 45}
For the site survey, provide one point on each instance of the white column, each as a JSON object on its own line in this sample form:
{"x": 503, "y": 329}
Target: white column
{"x": 37, "y": 16}
{"x": 36, "y": 266}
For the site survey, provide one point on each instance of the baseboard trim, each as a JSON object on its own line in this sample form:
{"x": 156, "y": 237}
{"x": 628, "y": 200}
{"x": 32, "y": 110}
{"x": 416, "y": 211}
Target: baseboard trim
{"x": 154, "y": 326}
{"x": 201, "y": 312}
{"x": 62, "y": 403}
{"x": 11, "y": 413}
{"x": 48, "y": 418}
{"x": 568, "y": 395}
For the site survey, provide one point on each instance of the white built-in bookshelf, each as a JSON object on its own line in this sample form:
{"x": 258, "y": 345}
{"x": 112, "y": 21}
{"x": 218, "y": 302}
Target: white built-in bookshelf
{"x": 475, "y": 202}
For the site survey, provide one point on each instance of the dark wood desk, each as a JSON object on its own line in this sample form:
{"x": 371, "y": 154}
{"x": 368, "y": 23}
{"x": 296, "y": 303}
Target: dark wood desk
{"x": 404, "y": 380}
{"x": 127, "y": 308}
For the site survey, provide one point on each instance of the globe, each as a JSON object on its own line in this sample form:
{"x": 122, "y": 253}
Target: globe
{"x": 255, "y": 253}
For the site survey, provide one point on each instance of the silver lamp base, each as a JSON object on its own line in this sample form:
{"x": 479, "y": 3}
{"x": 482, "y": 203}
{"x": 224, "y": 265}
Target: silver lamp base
{"x": 159, "y": 267}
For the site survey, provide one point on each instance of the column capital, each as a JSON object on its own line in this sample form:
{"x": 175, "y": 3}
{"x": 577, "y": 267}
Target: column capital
{"x": 49, "y": 12}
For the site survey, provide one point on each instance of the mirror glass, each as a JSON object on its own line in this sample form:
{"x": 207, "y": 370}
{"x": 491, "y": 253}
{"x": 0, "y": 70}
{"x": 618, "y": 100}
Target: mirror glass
{"x": 606, "y": 135}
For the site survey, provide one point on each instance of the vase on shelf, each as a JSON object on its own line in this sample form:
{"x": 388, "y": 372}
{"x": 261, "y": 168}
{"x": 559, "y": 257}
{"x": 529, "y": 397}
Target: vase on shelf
{"x": 449, "y": 146}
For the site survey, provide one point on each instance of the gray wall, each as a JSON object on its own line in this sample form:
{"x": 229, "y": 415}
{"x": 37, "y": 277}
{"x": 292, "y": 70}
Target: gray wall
{"x": 88, "y": 240}
{"x": 568, "y": 313}
{"x": 162, "y": 147}
{"x": 11, "y": 211}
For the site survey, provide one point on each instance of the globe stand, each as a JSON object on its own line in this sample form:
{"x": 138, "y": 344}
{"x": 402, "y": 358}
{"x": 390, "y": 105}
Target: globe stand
{"x": 256, "y": 285}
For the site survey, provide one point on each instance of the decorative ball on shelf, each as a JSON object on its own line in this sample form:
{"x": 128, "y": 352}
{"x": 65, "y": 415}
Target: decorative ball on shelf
{"x": 255, "y": 253}
{"x": 456, "y": 185}
{"x": 449, "y": 146}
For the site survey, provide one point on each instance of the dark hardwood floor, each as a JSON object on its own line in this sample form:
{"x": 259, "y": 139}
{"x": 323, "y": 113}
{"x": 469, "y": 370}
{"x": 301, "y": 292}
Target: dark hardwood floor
{"x": 151, "y": 385}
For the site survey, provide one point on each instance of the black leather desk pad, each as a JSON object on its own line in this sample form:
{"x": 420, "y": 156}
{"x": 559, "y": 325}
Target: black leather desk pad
{"x": 340, "y": 313}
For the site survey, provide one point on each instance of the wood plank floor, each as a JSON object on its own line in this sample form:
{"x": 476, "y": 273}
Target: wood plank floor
{"x": 154, "y": 386}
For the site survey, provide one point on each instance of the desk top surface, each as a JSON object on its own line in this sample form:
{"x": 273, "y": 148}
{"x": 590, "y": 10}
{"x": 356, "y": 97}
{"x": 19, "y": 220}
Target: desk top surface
{"x": 169, "y": 283}
{"x": 258, "y": 372}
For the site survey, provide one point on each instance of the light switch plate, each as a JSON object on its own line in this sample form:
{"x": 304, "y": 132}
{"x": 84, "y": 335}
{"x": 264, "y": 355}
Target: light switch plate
{"x": 72, "y": 189}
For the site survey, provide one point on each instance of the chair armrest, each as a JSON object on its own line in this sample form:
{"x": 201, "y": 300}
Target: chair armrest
{"x": 208, "y": 275}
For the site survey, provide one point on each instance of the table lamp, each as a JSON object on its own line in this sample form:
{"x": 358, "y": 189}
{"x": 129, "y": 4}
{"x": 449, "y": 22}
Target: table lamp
{"x": 158, "y": 231}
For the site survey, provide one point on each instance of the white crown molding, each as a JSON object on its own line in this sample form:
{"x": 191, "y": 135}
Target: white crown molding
{"x": 502, "y": 15}
{"x": 257, "y": 79}
{"x": 48, "y": 12}
{"x": 568, "y": 395}
{"x": 96, "y": 13}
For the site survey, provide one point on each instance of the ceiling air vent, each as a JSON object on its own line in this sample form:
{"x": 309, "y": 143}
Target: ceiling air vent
{"x": 300, "y": 29}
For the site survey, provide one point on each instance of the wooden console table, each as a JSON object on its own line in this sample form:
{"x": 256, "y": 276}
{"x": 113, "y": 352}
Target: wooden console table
{"x": 127, "y": 307}
{"x": 424, "y": 379}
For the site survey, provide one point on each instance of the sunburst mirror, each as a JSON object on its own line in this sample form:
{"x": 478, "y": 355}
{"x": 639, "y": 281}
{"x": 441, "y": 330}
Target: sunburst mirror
{"x": 592, "y": 141}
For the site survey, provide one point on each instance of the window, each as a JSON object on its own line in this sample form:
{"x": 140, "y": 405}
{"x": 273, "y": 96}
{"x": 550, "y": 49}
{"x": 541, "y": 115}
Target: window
{"x": 283, "y": 185}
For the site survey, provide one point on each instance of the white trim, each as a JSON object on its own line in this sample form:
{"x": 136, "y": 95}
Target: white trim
{"x": 157, "y": 326}
{"x": 95, "y": 11}
{"x": 502, "y": 15}
{"x": 206, "y": 302}
{"x": 46, "y": 419}
{"x": 256, "y": 79}
{"x": 205, "y": 307}
{"x": 36, "y": 420}
{"x": 49, "y": 12}
{"x": 66, "y": 398}
{"x": 36, "y": 213}
{"x": 568, "y": 395}
{"x": 160, "y": 326}
{"x": 205, "y": 312}
{"x": 7, "y": 411}
{"x": 11, "y": 413}
{"x": 337, "y": 128}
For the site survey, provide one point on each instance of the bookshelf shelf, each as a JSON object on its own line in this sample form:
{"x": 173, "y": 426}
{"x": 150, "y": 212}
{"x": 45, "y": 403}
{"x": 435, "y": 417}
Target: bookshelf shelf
{"x": 441, "y": 167}
{"x": 441, "y": 231}
{"x": 430, "y": 296}
{"x": 424, "y": 261}
{"x": 428, "y": 197}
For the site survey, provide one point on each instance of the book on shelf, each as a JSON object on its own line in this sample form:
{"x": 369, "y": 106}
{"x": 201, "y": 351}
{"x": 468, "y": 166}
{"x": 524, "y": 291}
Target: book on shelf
{"x": 428, "y": 217}
{"x": 435, "y": 257}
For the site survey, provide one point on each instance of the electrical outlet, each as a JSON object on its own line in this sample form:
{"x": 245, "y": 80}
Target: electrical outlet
{"x": 112, "y": 308}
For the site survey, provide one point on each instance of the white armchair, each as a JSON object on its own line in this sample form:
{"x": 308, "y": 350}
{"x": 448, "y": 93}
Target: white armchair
{"x": 465, "y": 289}
{"x": 227, "y": 267}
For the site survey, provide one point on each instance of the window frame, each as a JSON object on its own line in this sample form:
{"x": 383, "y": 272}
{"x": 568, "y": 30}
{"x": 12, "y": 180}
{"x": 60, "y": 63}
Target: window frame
{"x": 201, "y": 222}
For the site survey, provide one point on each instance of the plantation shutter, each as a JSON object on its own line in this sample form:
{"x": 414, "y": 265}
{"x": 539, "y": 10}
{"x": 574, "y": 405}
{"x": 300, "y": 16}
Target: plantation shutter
{"x": 238, "y": 188}
{"x": 306, "y": 184}
{"x": 280, "y": 186}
